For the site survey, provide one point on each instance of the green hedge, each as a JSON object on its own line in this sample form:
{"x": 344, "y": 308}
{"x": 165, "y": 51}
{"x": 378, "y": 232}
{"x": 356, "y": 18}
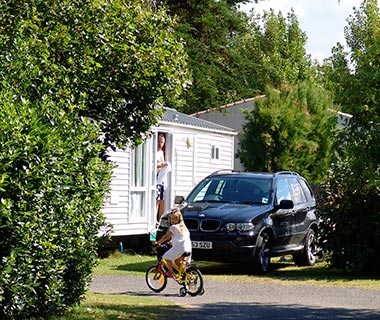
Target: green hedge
{"x": 52, "y": 185}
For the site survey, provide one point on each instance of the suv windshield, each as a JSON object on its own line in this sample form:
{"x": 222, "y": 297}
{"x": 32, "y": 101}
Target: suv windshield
{"x": 232, "y": 189}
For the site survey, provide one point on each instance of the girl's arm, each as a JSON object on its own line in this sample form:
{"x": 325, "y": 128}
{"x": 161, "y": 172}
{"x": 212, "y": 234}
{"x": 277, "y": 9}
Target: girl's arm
{"x": 168, "y": 235}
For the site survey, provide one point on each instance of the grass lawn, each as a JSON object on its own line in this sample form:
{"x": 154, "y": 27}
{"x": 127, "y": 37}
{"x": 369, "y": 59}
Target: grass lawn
{"x": 118, "y": 306}
{"x": 281, "y": 272}
{"x": 113, "y": 306}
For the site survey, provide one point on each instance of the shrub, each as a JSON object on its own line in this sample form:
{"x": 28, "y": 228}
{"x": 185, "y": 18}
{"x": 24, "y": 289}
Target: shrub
{"x": 350, "y": 204}
{"x": 52, "y": 185}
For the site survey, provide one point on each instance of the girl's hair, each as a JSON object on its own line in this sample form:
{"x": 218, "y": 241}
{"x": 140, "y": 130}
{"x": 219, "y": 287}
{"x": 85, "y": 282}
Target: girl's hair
{"x": 175, "y": 212}
{"x": 182, "y": 226}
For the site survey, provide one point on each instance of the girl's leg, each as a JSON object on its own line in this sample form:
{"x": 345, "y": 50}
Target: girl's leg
{"x": 178, "y": 261}
{"x": 170, "y": 267}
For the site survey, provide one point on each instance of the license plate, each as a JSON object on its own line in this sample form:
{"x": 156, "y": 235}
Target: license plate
{"x": 201, "y": 244}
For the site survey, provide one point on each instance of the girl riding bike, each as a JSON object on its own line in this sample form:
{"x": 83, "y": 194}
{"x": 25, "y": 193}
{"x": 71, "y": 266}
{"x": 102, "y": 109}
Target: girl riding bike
{"x": 181, "y": 243}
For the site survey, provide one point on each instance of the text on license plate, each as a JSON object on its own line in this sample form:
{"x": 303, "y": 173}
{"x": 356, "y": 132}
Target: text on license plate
{"x": 201, "y": 244}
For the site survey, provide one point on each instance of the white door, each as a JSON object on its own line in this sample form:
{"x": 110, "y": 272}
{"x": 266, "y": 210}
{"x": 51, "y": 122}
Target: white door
{"x": 143, "y": 188}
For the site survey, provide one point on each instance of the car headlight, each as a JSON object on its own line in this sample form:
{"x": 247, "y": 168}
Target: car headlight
{"x": 230, "y": 226}
{"x": 244, "y": 226}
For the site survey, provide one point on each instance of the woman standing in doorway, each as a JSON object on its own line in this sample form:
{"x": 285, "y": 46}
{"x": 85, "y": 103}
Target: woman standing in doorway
{"x": 163, "y": 167}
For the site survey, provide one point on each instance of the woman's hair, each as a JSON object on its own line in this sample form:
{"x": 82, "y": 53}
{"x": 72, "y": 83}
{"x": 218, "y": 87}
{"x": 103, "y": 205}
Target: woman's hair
{"x": 161, "y": 135}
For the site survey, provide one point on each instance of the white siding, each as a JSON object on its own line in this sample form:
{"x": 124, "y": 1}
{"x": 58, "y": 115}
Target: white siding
{"x": 193, "y": 163}
{"x": 116, "y": 207}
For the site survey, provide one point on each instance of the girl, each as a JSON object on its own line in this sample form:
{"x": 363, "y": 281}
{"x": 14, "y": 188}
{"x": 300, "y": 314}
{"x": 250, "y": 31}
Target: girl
{"x": 181, "y": 243}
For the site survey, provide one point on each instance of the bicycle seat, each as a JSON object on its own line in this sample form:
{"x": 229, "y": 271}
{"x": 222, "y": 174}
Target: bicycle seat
{"x": 186, "y": 254}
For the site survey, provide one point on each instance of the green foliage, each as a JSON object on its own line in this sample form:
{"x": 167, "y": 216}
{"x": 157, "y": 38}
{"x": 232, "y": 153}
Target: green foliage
{"x": 75, "y": 78}
{"x": 233, "y": 56}
{"x": 52, "y": 187}
{"x": 277, "y": 50}
{"x": 119, "y": 57}
{"x": 353, "y": 75}
{"x": 350, "y": 205}
{"x": 290, "y": 130}
{"x": 210, "y": 30}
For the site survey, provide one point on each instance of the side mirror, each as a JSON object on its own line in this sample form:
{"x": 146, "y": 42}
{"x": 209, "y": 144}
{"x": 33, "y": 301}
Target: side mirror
{"x": 286, "y": 204}
{"x": 179, "y": 199}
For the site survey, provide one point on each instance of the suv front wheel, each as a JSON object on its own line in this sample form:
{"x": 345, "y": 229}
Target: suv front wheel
{"x": 308, "y": 256}
{"x": 261, "y": 258}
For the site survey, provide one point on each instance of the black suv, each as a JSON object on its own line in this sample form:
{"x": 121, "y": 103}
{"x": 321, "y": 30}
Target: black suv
{"x": 251, "y": 217}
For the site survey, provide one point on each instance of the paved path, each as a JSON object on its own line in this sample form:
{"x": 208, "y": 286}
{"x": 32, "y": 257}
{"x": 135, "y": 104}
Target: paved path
{"x": 264, "y": 301}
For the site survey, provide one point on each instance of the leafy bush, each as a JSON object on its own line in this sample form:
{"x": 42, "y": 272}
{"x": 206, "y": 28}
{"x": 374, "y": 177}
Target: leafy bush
{"x": 52, "y": 185}
{"x": 350, "y": 203}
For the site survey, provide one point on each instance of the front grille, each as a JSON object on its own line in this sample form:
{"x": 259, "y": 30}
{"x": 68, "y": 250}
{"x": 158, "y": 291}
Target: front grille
{"x": 192, "y": 224}
{"x": 210, "y": 225}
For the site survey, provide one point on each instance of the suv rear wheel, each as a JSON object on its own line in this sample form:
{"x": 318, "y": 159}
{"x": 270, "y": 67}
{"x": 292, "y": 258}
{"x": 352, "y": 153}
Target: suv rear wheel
{"x": 261, "y": 258}
{"x": 308, "y": 257}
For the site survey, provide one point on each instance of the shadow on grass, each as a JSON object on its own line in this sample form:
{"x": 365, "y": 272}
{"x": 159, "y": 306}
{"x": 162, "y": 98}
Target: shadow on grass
{"x": 229, "y": 310}
{"x": 278, "y": 270}
{"x": 136, "y": 266}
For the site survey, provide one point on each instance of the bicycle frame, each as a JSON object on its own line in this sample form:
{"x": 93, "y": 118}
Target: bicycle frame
{"x": 179, "y": 271}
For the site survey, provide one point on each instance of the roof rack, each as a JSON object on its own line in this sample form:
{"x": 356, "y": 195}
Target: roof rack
{"x": 223, "y": 170}
{"x": 287, "y": 172}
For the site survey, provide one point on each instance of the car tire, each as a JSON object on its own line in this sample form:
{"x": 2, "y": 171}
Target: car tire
{"x": 308, "y": 256}
{"x": 261, "y": 258}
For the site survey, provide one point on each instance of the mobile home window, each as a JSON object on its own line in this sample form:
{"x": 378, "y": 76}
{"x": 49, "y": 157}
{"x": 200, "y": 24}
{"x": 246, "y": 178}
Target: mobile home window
{"x": 215, "y": 152}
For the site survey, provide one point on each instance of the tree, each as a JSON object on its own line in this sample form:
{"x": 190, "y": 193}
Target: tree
{"x": 233, "y": 56}
{"x": 351, "y": 195}
{"x": 209, "y": 29}
{"x": 76, "y": 77}
{"x": 277, "y": 47}
{"x": 292, "y": 129}
{"x": 120, "y": 57}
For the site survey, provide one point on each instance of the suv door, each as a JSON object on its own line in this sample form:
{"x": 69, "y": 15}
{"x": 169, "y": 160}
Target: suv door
{"x": 302, "y": 205}
{"x": 283, "y": 219}
{"x": 305, "y": 216}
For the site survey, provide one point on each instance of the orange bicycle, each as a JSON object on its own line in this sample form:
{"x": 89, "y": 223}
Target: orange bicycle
{"x": 186, "y": 275}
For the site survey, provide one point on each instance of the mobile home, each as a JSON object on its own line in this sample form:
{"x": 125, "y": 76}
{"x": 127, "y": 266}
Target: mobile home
{"x": 194, "y": 148}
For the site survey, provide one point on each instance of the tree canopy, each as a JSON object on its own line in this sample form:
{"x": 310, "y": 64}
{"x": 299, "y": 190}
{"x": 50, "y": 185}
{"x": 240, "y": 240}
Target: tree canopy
{"x": 277, "y": 48}
{"x": 119, "y": 57}
{"x": 210, "y": 29}
{"x": 291, "y": 129}
{"x": 233, "y": 56}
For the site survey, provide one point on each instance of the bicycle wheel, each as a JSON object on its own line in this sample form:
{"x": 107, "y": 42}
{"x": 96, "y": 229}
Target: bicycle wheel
{"x": 155, "y": 279}
{"x": 193, "y": 281}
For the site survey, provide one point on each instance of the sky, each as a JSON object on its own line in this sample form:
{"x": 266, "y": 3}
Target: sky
{"x": 322, "y": 20}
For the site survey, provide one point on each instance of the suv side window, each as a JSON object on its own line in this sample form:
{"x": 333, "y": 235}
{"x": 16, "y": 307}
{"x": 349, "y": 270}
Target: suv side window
{"x": 297, "y": 193}
{"x": 282, "y": 191}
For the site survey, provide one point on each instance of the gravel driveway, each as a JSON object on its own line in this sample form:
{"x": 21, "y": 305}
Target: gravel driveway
{"x": 241, "y": 300}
